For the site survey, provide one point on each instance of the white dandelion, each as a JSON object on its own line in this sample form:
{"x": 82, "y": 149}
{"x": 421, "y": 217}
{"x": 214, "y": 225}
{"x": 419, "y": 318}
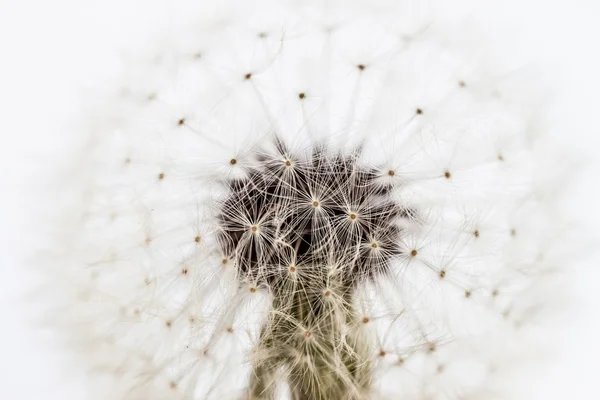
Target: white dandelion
{"x": 307, "y": 200}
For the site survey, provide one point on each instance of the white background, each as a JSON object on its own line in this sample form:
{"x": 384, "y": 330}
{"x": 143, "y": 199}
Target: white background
{"x": 48, "y": 49}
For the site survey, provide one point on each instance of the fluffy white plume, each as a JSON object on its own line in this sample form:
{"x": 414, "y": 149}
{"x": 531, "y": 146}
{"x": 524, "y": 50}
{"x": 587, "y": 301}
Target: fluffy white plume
{"x": 157, "y": 307}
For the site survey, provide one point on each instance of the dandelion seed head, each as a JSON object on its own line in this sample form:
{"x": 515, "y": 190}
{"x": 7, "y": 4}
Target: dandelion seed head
{"x": 318, "y": 206}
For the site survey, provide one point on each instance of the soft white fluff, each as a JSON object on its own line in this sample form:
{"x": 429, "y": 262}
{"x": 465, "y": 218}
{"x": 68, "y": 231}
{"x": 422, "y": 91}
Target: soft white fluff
{"x": 149, "y": 303}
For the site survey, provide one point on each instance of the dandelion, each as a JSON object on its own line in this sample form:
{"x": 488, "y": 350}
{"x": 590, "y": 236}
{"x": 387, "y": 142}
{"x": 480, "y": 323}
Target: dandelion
{"x": 326, "y": 201}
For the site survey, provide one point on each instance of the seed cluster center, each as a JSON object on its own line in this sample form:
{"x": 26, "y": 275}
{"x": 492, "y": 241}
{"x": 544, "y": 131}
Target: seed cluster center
{"x": 323, "y": 216}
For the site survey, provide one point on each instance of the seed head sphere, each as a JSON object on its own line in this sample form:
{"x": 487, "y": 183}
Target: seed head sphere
{"x": 307, "y": 200}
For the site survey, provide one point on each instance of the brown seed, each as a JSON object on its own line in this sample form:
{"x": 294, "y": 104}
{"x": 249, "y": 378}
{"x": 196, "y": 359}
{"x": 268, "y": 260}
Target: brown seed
{"x": 352, "y": 216}
{"x": 447, "y": 174}
{"x": 224, "y": 261}
{"x": 197, "y": 239}
{"x": 254, "y": 228}
{"x": 382, "y": 353}
{"x": 301, "y": 96}
{"x": 462, "y": 83}
{"x": 414, "y": 252}
{"x": 248, "y": 76}
{"x": 184, "y": 271}
{"x": 365, "y": 320}
{"x": 419, "y": 111}
{"x": 168, "y": 324}
{"x": 161, "y": 176}
{"x": 288, "y": 163}
{"x": 233, "y": 161}
{"x": 442, "y": 274}
{"x": 181, "y": 121}
{"x": 307, "y": 334}
{"x": 467, "y": 294}
{"x": 292, "y": 268}
{"x": 513, "y": 232}
{"x": 391, "y": 172}
{"x": 315, "y": 203}
{"x": 327, "y": 293}
{"x": 476, "y": 233}
{"x": 374, "y": 245}
{"x": 361, "y": 67}
{"x": 252, "y": 290}
{"x": 500, "y": 157}
{"x": 173, "y": 385}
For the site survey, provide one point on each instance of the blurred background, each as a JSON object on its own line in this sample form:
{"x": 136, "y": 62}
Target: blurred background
{"x": 51, "y": 50}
